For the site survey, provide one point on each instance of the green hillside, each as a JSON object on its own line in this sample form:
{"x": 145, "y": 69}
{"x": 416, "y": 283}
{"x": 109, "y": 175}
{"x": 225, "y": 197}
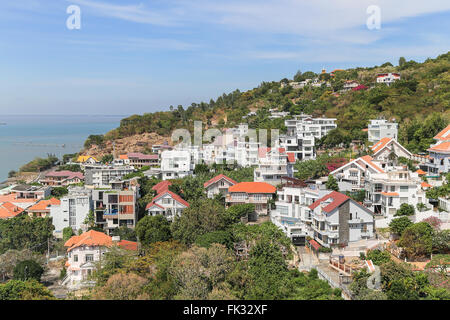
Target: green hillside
{"x": 420, "y": 102}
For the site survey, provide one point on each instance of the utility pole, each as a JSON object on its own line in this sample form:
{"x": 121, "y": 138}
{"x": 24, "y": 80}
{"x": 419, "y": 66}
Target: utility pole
{"x": 48, "y": 250}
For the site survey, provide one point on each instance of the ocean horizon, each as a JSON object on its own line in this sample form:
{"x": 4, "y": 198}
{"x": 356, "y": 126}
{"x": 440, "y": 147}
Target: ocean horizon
{"x": 25, "y": 137}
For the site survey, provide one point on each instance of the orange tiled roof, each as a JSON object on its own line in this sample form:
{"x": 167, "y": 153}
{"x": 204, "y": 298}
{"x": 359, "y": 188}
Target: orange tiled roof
{"x": 291, "y": 157}
{"x": 96, "y": 238}
{"x": 444, "y": 146}
{"x": 369, "y": 159}
{"x": 12, "y": 198}
{"x": 218, "y": 178}
{"x": 173, "y": 195}
{"x": 162, "y": 186}
{"x": 253, "y": 187}
{"x": 426, "y": 185}
{"x": 9, "y": 210}
{"x": 44, "y": 204}
{"x": 421, "y": 172}
{"x": 390, "y": 194}
{"x": 337, "y": 197}
{"x": 380, "y": 144}
{"x": 444, "y": 134}
{"x": 123, "y": 156}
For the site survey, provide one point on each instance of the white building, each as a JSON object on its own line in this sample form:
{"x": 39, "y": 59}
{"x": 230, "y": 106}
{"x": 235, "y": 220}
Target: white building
{"x": 381, "y": 128}
{"x": 102, "y": 176}
{"x": 218, "y": 185}
{"x": 302, "y": 132}
{"x": 176, "y": 164}
{"x": 338, "y": 219}
{"x": 166, "y": 203}
{"x": 273, "y": 164}
{"x": 387, "y": 78}
{"x": 383, "y": 149}
{"x": 84, "y": 251}
{"x": 385, "y": 192}
{"x": 439, "y": 154}
{"x": 351, "y": 176}
{"x": 72, "y": 211}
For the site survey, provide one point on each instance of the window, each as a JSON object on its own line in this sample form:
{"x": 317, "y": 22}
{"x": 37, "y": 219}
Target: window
{"x": 392, "y": 188}
{"x": 75, "y": 257}
{"x": 403, "y": 188}
{"x": 350, "y": 216}
{"x": 89, "y": 257}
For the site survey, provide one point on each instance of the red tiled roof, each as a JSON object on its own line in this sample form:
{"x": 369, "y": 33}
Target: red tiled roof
{"x": 444, "y": 134}
{"x": 65, "y": 173}
{"x": 314, "y": 243}
{"x": 262, "y": 152}
{"x": 253, "y": 187}
{"x": 128, "y": 245}
{"x": 173, "y": 195}
{"x": 380, "y": 144}
{"x": 337, "y": 197}
{"x": 218, "y": 178}
{"x": 151, "y": 204}
{"x": 9, "y": 210}
{"x": 444, "y": 146}
{"x": 162, "y": 186}
{"x": 141, "y": 156}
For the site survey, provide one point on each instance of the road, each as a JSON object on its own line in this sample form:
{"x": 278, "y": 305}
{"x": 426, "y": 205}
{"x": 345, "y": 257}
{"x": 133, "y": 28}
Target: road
{"x": 51, "y": 281}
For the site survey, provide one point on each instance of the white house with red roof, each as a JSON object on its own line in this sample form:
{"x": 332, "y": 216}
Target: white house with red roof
{"x": 84, "y": 251}
{"x": 383, "y": 149}
{"x": 166, "y": 203}
{"x": 338, "y": 219}
{"x": 218, "y": 185}
{"x": 388, "y": 78}
{"x": 351, "y": 176}
{"x": 439, "y": 154}
{"x": 273, "y": 164}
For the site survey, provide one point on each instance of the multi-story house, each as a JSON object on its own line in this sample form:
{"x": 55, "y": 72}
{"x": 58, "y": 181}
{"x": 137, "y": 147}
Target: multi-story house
{"x": 176, "y": 164}
{"x": 385, "y": 192}
{"x": 351, "y": 176}
{"x": 258, "y": 193}
{"x": 381, "y": 128}
{"x": 338, "y": 220}
{"x": 102, "y": 176}
{"x": 62, "y": 178}
{"x": 218, "y": 185}
{"x": 385, "y": 148}
{"x": 72, "y": 211}
{"x": 349, "y": 85}
{"x": 84, "y": 251}
{"x": 273, "y": 164}
{"x": 116, "y": 206}
{"x": 292, "y": 213}
{"x": 388, "y": 78}
{"x": 302, "y": 132}
{"x": 439, "y": 154}
{"x": 138, "y": 160}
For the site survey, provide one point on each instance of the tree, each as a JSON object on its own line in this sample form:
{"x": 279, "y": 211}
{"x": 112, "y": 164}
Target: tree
{"x": 441, "y": 241}
{"x": 399, "y": 225}
{"x": 200, "y": 218}
{"x": 405, "y": 210}
{"x": 234, "y": 213}
{"x": 12, "y": 174}
{"x": 67, "y": 233}
{"x": 125, "y": 233}
{"x": 90, "y": 219}
{"x": 378, "y": 257}
{"x": 223, "y": 237}
{"x": 332, "y": 183}
{"x": 24, "y": 290}
{"x": 107, "y": 158}
{"x": 153, "y": 229}
{"x": 27, "y": 270}
{"x": 59, "y": 192}
{"x": 401, "y": 61}
{"x": 417, "y": 240}
{"x": 122, "y": 287}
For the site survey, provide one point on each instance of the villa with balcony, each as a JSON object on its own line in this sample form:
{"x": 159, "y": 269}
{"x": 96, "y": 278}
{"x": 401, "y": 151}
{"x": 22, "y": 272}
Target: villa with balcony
{"x": 274, "y": 163}
{"x": 338, "y": 220}
{"x": 218, "y": 185}
{"x": 258, "y": 193}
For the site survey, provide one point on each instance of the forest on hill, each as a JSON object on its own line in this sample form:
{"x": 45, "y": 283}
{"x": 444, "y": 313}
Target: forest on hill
{"x": 420, "y": 102}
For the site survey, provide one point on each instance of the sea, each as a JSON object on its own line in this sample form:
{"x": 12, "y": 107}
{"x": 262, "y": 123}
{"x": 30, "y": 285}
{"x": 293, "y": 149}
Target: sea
{"x": 25, "y": 137}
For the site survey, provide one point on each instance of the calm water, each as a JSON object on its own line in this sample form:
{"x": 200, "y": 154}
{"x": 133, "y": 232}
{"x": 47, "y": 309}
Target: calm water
{"x": 24, "y": 138}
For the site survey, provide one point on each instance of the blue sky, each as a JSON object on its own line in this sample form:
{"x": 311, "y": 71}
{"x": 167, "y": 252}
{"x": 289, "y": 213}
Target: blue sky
{"x": 141, "y": 56}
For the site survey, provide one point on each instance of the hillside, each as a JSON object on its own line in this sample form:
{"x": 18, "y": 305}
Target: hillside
{"x": 420, "y": 102}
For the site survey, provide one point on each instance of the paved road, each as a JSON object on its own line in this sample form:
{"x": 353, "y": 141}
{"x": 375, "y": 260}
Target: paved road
{"x": 51, "y": 281}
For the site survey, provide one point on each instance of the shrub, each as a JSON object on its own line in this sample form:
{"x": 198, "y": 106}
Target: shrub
{"x": 27, "y": 270}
